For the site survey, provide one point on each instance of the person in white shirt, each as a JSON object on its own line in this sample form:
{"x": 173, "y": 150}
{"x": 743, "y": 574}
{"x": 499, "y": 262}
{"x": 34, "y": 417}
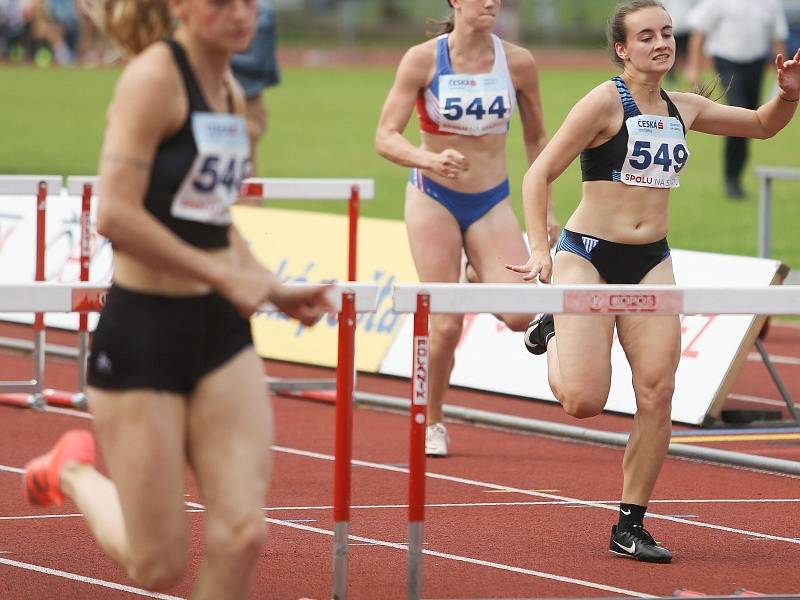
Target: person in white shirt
{"x": 739, "y": 35}
{"x": 679, "y": 11}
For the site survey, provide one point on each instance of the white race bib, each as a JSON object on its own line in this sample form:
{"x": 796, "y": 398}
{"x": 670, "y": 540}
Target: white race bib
{"x": 474, "y": 104}
{"x": 656, "y": 152}
{"x": 223, "y": 160}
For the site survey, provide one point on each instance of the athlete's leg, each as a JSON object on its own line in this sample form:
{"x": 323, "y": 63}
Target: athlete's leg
{"x": 436, "y": 245}
{"x": 138, "y": 516}
{"x": 230, "y": 433}
{"x": 492, "y": 242}
{"x": 579, "y": 355}
{"x": 652, "y": 346}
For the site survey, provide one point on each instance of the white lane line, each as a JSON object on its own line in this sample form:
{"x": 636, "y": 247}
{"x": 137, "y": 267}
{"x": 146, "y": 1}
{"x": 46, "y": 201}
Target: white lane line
{"x": 759, "y": 400}
{"x": 775, "y": 358}
{"x": 90, "y": 580}
{"x": 526, "y": 492}
{"x": 61, "y": 516}
{"x": 466, "y": 559}
{"x": 8, "y": 469}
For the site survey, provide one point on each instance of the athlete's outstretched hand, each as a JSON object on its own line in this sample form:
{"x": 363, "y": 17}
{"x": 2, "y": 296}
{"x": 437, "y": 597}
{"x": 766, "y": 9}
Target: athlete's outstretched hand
{"x": 789, "y": 75}
{"x": 307, "y": 305}
{"x": 539, "y": 264}
{"x": 449, "y": 163}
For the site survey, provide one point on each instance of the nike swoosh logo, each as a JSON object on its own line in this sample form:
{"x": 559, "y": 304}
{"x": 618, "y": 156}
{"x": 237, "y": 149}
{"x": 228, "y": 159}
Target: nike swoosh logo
{"x": 630, "y": 550}
{"x": 624, "y": 512}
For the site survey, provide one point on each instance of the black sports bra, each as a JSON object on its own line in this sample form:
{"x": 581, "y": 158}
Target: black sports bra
{"x": 197, "y": 172}
{"x": 605, "y": 162}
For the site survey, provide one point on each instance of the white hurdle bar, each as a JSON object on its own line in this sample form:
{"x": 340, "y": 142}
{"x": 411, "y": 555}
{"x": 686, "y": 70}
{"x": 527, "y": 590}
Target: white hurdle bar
{"x": 89, "y": 297}
{"x": 425, "y": 299}
{"x": 273, "y": 188}
{"x": 28, "y": 185}
{"x": 603, "y": 299}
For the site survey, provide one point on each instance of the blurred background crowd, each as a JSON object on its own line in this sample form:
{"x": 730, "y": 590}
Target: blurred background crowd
{"x": 56, "y": 32}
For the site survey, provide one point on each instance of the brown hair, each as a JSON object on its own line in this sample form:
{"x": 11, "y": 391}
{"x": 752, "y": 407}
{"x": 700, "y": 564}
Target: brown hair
{"x": 445, "y": 26}
{"x": 617, "y": 31}
{"x": 131, "y": 24}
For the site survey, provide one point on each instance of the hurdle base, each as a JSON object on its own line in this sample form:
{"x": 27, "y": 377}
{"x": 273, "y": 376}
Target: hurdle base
{"x": 33, "y": 401}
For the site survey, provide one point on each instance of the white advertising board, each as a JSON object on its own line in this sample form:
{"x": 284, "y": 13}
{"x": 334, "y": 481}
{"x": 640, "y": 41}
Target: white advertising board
{"x": 493, "y": 358}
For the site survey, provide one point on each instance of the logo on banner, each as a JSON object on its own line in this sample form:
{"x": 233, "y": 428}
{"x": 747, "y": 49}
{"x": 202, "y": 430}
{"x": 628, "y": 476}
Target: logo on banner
{"x": 420, "y": 374}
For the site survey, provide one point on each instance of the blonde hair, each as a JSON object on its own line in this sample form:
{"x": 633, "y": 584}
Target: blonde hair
{"x": 132, "y": 25}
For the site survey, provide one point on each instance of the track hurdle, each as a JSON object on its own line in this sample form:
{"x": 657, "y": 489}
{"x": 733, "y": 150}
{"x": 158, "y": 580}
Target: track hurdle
{"x": 431, "y": 298}
{"x": 31, "y": 393}
{"x": 348, "y": 300}
{"x": 351, "y": 190}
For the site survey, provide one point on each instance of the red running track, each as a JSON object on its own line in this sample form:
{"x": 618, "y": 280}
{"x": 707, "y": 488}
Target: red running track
{"x": 509, "y": 515}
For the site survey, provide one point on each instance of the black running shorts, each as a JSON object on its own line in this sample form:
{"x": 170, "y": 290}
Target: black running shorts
{"x": 149, "y": 341}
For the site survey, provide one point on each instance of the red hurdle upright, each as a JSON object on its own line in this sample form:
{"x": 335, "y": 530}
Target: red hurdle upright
{"x": 416, "y": 457}
{"x": 345, "y": 370}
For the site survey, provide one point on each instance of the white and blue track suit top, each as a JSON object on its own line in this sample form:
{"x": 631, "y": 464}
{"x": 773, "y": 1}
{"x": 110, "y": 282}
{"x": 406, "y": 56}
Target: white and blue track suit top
{"x": 466, "y": 104}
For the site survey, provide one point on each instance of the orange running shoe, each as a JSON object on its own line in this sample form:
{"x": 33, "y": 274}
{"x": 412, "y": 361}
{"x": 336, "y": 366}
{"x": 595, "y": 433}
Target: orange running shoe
{"x": 42, "y": 482}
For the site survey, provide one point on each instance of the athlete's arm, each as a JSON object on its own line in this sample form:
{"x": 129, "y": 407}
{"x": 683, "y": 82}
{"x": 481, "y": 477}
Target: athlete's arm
{"x": 411, "y": 78}
{"x": 761, "y": 123}
{"x": 526, "y": 81}
{"x": 588, "y": 120}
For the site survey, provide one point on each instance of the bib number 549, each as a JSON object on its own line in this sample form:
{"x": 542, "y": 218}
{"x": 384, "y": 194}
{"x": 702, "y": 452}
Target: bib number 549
{"x": 642, "y": 157}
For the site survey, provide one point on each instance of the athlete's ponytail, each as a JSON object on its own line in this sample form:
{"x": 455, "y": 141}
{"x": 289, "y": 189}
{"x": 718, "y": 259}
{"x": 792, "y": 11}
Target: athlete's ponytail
{"x": 445, "y": 26}
{"x": 132, "y": 25}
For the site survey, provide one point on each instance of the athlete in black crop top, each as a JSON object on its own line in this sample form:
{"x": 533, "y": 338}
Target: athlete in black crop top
{"x": 173, "y": 376}
{"x": 173, "y": 162}
{"x": 630, "y": 135}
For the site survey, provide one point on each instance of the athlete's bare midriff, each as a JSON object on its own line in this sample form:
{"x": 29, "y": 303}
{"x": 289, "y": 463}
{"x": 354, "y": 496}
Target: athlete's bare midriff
{"x": 135, "y": 275}
{"x": 621, "y": 213}
{"x": 485, "y": 154}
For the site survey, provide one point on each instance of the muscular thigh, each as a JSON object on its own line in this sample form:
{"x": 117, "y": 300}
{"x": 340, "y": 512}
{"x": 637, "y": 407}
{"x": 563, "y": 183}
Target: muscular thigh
{"x": 230, "y": 433}
{"x": 142, "y": 436}
{"x": 493, "y": 241}
{"x": 652, "y": 344}
{"x": 434, "y": 237}
{"x": 583, "y": 341}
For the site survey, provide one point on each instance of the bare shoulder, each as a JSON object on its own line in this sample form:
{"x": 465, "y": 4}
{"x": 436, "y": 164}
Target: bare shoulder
{"x": 420, "y": 56}
{"x": 603, "y": 97}
{"x": 517, "y": 57}
{"x": 417, "y": 64}
{"x": 152, "y": 76}
{"x": 151, "y": 79}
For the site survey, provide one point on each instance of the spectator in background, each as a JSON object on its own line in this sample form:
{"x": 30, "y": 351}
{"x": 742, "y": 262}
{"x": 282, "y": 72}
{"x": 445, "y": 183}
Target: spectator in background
{"x": 739, "y": 35}
{"x": 679, "y": 11}
{"x": 255, "y": 70}
{"x": 15, "y": 26}
{"x": 793, "y": 19}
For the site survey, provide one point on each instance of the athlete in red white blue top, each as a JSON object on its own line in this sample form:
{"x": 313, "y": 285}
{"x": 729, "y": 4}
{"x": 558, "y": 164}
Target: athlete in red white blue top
{"x": 466, "y": 84}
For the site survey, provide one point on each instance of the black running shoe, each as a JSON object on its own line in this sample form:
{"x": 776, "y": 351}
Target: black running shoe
{"x": 637, "y": 543}
{"x": 539, "y": 332}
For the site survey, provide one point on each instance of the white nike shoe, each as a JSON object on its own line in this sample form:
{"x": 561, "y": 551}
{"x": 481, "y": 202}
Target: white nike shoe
{"x": 436, "y": 440}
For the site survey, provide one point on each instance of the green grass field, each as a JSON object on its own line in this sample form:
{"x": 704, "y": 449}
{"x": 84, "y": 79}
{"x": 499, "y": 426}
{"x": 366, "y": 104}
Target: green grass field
{"x": 323, "y": 123}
